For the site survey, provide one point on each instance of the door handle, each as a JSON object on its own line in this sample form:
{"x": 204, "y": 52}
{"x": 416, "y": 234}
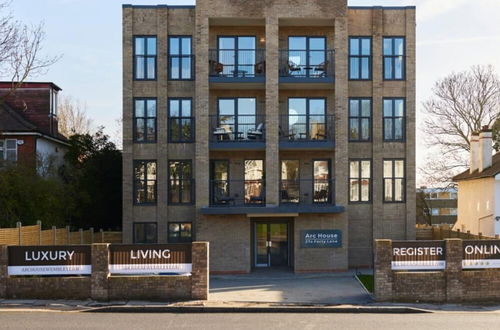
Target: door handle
{"x": 270, "y": 243}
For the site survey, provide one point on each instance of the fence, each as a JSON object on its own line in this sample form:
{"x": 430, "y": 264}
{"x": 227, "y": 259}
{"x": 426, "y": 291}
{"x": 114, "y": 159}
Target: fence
{"x": 439, "y": 233}
{"x": 34, "y": 235}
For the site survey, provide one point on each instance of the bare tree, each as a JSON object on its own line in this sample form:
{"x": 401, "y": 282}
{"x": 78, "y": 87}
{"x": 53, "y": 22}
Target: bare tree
{"x": 72, "y": 117}
{"x": 20, "y": 50}
{"x": 462, "y": 103}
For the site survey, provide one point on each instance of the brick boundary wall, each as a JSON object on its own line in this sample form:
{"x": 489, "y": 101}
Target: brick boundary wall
{"x": 453, "y": 285}
{"x": 102, "y": 286}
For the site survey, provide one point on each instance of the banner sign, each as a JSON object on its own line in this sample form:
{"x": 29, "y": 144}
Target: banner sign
{"x": 150, "y": 258}
{"x": 321, "y": 238}
{"x": 49, "y": 260}
{"x": 418, "y": 255}
{"x": 477, "y": 254}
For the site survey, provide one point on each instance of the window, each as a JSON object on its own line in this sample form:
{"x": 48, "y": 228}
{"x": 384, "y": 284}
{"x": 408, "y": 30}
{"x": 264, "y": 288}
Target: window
{"x": 359, "y": 180}
{"x": 290, "y": 181}
{"x": 145, "y": 232}
{"x": 360, "y": 58}
{"x": 179, "y": 58}
{"x": 220, "y": 182}
{"x": 144, "y": 182}
{"x": 144, "y": 120}
{"x": 8, "y": 150}
{"x": 237, "y": 56}
{"x": 394, "y": 119}
{"x": 307, "y": 57}
{"x": 236, "y": 116}
{"x": 180, "y": 120}
{"x": 360, "y": 119}
{"x": 444, "y": 211}
{"x": 394, "y": 180}
{"x": 145, "y": 58}
{"x": 306, "y": 119}
{"x": 322, "y": 188}
{"x": 180, "y": 184}
{"x": 254, "y": 181}
{"x": 394, "y": 58}
{"x": 180, "y": 232}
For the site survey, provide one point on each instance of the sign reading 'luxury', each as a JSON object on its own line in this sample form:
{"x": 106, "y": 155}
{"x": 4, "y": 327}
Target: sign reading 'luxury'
{"x": 49, "y": 260}
{"x": 418, "y": 255}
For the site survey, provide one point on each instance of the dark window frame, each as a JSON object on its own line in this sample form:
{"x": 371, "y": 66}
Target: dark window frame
{"x": 134, "y": 192}
{"x": 300, "y": 170}
{"x": 144, "y": 223}
{"x": 212, "y": 179}
{"x": 181, "y": 56}
{"x": 179, "y": 239}
{"x": 360, "y": 57}
{"x": 236, "y": 110}
{"x": 308, "y": 115}
{"x": 360, "y": 178}
{"x": 180, "y": 119}
{"x": 146, "y": 56}
{"x": 145, "y": 118}
{"x": 237, "y": 48}
{"x": 393, "y": 119}
{"x": 330, "y": 180}
{"x": 360, "y": 118}
{"x": 308, "y": 49}
{"x": 191, "y": 179}
{"x": 393, "y": 178}
{"x": 392, "y": 57}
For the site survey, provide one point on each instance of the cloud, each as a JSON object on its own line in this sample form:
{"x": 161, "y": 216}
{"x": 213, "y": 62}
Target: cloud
{"x": 428, "y": 9}
{"x": 458, "y": 40}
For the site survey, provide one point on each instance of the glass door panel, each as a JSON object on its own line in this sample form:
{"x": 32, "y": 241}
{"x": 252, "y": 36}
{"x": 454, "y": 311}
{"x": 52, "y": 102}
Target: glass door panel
{"x": 278, "y": 250}
{"x": 261, "y": 245}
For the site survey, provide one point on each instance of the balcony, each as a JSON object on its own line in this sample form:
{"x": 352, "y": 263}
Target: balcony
{"x": 237, "y": 66}
{"x": 308, "y": 196}
{"x": 310, "y": 68}
{"x": 230, "y": 132}
{"x": 311, "y": 131}
{"x": 227, "y": 193}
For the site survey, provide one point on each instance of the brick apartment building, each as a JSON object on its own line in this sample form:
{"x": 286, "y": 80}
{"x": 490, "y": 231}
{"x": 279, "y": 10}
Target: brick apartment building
{"x": 28, "y": 125}
{"x": 256, "y": 124}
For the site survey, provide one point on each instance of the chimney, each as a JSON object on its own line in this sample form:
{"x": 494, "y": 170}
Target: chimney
{"x": 485, "y": 148}
{"x": 474, "y": 152}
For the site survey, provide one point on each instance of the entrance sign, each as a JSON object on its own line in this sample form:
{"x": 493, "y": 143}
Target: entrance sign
{"x": 321, "y": 238}
{"x": 150, "y": 258}
{"x": 418, "y": 255}
{"x": 479, "y": 254}
{"x": 49, "y": 260}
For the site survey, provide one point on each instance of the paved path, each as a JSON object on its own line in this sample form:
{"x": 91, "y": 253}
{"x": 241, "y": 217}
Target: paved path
{"x": 287, "y": 287}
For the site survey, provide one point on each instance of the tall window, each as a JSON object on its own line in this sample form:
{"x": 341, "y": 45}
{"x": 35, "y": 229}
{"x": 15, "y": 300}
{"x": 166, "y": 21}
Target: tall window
{"x": 8, "y": 150}
{"x": 144, "y": 182}
{"x": 145, "y": 232}
{"x": 180, "y": 58}
{"x": 290, "y": 181}
{"x": 359, "y": 180}
{"x": 220, "y": 182}
{"x": 237, "y": 56}
{"x": 254, "y": 183}
{"x": 236, "y": 116}
{"x": 180, "y": 120}
{"x": 394, "y": 119}
{"x": 180, "y": 184}
{"x": 145, "y": 58}
{"x": 360, "y": 58}
{"x": 394, "y": 180}
{"x": 306, "y": 119}
{"x": 322, "y": 188}
{"x": 144, "y": 120}
{"x": 394, "y": 58}
{"x": 180, "y": 232}
{"x": 360, "y": 119}
{"x": 307, "y": 57}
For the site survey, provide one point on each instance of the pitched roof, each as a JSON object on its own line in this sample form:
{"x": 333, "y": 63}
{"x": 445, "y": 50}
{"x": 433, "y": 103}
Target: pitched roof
{"x": 491, "y": 171}
{"x": 13, "y": 121}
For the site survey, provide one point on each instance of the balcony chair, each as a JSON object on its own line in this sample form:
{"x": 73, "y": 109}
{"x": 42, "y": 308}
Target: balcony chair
{"x": 260, "y": 68}
{"x": 254, "y": 133}
{"x": 322, "y": 69}
{"x": 216, "y": 67}
{"x": 292, "y": 67}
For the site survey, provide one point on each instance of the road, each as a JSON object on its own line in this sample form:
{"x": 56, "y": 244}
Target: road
{"x": 75, "y": 320}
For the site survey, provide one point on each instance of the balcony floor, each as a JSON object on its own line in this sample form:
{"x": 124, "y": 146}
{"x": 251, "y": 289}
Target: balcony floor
{"x": 281, "y": 209}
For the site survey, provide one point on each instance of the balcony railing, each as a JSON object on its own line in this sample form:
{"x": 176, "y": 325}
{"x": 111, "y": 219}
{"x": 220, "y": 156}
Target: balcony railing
{"x": 237, "y": 193}
{"x": 241, "y": 128}
{"x": 303, "y": 192}
{"x": 237, "y": 63}
{"x": 181, "y": 191}
{"x": 312, "y": 127}
{"x": 306, "y": 63}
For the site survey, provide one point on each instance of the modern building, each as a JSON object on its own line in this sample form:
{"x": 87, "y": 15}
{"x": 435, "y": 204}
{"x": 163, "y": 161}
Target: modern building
{"x": 479, "y": 188}
{"x": 437, "y": 206}
{"x": 282, "y": 132}
{"x": 28, "y": 125}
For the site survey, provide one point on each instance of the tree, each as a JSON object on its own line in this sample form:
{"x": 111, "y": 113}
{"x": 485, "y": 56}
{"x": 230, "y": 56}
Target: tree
{"x": 20, "y": 50}
{"x": 496, "y": 135}
{"x": 72, "y": 117}
{"x": 462, "y": 103}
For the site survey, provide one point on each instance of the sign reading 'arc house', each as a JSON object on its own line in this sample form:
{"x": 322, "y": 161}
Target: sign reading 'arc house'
{"x": 150, "y": 258}
{"x": 49, "y": 260}
{"x": 418, "y": 255}
{"x": 481, "y": 254}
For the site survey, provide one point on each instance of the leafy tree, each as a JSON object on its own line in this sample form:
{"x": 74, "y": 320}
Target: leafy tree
{"x": 496, "y": 135}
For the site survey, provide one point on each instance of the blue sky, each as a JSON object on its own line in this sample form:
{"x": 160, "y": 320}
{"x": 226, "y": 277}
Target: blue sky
{"x": 452, "y": 35}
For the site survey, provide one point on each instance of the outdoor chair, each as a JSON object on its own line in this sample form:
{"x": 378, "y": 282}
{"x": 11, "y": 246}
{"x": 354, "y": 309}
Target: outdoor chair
{"x": 254, "y": 133}
{"x": 321, "y": 69}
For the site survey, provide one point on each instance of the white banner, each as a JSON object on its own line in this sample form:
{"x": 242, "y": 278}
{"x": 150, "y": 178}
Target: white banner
{"x": 139, "y": 269}
{"x": 480, "y": 263}
{"x": 50, "y": 270}
{"x": 419, "y": 265}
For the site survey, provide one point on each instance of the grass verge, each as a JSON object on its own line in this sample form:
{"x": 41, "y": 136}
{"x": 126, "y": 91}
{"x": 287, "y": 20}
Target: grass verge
{"x": 367, "y": 281}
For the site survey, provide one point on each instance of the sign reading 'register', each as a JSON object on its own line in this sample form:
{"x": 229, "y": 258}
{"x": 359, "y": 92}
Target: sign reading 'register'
{"x": 418, "y": 255}
{"x": 150, "y": 259}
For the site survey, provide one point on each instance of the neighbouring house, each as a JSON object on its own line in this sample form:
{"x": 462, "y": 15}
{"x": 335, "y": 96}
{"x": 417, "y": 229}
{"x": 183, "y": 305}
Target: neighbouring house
{"x": 479, "y": 188}
{"x": 28, "y": 125}
{"x": 437, "y": 206}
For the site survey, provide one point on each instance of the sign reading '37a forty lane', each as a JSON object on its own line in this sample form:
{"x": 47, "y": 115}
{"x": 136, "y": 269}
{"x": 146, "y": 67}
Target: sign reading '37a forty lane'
{"x": 49, "y": 260}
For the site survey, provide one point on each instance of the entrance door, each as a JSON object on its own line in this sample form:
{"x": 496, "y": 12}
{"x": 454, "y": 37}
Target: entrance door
{"x": 271, "y": 244}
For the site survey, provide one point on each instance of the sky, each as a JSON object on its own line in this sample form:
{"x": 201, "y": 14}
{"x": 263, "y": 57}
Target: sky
{"x": 452, "y": 35}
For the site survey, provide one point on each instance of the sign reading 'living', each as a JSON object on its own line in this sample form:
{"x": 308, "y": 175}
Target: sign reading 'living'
{"x": 49, "y": 260}
{"x": 150, "y": 259}
{"x": 418, "y": 255}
